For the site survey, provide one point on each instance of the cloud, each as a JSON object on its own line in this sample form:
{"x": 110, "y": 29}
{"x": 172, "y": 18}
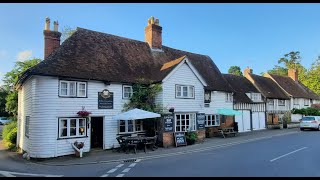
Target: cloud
{"x": 24, "y": 55}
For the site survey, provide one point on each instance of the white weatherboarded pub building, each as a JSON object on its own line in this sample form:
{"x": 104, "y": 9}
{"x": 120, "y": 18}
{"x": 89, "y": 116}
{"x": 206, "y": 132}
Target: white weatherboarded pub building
{"x": 96, "y": 71}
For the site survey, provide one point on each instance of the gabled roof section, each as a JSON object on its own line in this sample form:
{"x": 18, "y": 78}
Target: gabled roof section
{"x": 268, "y": 87}
{"x": 241, "y": 86}
{"x": 93, "y": 55}
{"x": 172, "y": 64}
{"x": 293, "y": 88}
{"x": 176, "y": 64}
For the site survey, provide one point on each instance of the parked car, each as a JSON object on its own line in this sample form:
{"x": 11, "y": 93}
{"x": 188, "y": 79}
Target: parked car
{"x": 310, "y": 122}
{"x": 4, "y": 120}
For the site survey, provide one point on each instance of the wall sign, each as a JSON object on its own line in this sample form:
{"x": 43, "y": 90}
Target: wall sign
{"x": 180, "y": 139}
{"x": 201, "y": 118}
{"x": 168, "y": 122}
{"x": 105, "y": 99}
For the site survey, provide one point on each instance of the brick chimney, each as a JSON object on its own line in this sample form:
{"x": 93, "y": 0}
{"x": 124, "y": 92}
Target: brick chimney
{"x": 293, "y": 74}
{"x": 51, "y": 38}
{"x": 153, "y": 33}
{"x": 247, "y": 71}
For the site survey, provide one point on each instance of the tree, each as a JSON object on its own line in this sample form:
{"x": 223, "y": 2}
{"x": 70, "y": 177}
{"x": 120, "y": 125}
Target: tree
{"x": 291, "y": 60}
{"x": 10, "y": 79}
{"x": 279, "y": 70}
{"x": 3, "y": 95}
{"x": 235, "y": 70}
{"x": 66, "y": 33}
{"x": 312, "y": 78}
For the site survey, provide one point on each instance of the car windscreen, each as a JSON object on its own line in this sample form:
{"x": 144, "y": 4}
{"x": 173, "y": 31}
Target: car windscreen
{"x": 308, "y": 118}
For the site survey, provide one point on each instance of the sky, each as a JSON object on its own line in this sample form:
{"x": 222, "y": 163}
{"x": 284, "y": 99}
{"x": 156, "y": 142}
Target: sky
{"x": 232, "y": 34}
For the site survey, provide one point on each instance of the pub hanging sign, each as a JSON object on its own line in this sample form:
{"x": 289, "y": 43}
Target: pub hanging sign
{"x": 105, "y": 99}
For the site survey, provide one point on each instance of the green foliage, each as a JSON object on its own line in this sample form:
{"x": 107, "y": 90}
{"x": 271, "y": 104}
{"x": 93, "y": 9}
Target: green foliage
{"x": 3, "y": 95}
{"x": 191, "y": 136}
{"x": 286, "y": 118}
{"x": 291, "y": 59}
{"x": 143, "y": 97}
{"x": 312, "y": 78}
{"x": 10, "y": 79}
{"x": 66, "y": 33}
{"x": 278, "y": 70}
{"x": 306, "y": 111}
{"x": 235, "y": 70}
{"x": 9, "y": 134}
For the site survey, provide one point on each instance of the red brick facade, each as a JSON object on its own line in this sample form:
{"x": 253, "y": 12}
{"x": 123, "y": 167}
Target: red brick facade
{"x": 153, "y": 36}
{"x": 51, "y": 41}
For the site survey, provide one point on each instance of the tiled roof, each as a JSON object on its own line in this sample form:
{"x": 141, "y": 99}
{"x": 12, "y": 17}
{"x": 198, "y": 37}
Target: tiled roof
{"x": 241, "y": 86}
{"x": 268, "y": 87}
{"x": 294, "y": 88}
{"x": 95, "y": 55}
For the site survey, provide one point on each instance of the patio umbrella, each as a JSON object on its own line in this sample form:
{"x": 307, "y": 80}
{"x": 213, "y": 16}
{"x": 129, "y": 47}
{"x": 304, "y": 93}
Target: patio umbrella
{"x": 136, "y": 114}
{"x": 228, "y": 112}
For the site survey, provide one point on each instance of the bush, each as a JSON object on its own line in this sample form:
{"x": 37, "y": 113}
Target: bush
{"x": 191, "y": 137}
{"x": 306, "y": 111}
{"x": 9, "y": 134}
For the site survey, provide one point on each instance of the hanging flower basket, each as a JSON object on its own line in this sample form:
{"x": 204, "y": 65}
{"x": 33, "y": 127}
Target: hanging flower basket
{"x": 83, "y": 113}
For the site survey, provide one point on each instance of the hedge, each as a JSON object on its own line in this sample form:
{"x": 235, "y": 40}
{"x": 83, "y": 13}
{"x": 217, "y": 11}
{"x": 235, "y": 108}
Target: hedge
{"x": 9, "y": 134}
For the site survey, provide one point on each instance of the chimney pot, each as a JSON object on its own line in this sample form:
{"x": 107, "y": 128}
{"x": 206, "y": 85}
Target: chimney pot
{"x": 51, "y": 38}
{"x": 153, "y": 34}
{"x": 47, "y": 24}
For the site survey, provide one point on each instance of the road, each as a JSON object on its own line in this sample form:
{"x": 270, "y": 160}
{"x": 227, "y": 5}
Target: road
{"x": 287, "y": 155}
{"x": 290, "y": 155}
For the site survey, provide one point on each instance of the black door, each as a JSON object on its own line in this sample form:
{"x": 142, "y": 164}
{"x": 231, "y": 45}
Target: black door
{"x": 96, "y": 132}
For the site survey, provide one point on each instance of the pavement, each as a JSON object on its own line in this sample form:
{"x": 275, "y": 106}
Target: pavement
{"x": 110, "y": 156}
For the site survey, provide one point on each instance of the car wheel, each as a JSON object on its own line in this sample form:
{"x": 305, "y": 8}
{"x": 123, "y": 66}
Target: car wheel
{"x": 318, "y": 128}
{"x": 301, "y": 129}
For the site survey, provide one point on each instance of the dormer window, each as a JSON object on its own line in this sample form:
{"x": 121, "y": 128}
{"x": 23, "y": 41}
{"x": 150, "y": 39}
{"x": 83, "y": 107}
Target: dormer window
{"x": 256, "y": 96}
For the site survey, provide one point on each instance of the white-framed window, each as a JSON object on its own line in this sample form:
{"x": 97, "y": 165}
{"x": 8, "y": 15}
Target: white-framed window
{"x": 126, "y": 126}
{"x": 256, "y": 96}
{"x": 212, "y": 120}
{"x": 281, "y": 102}
{"x": 82, "y": 89}
{"x": 296, "y": 101}
{"x": 72, "y": 89}
{"x": 228, "y": 97}
{"x": 306, "y": 102}
{"x": 184, "y": 91}
{"x": 72, "y": 127}
{"x": 271, "y": 102}
{"x": 26, "y": 126}
{"x": 185, "y": 122}
{"x": 127, "y": 91}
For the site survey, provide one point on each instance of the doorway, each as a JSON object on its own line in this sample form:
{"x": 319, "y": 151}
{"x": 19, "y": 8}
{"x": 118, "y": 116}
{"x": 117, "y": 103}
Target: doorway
{"x": 96, "y": 132}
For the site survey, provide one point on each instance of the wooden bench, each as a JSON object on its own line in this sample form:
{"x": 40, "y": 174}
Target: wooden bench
{"x": 226, "y": 131}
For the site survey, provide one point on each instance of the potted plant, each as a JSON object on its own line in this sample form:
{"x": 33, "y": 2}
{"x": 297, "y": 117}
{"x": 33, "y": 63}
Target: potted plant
{"x": 78, "y": 145}
{"x": 191, "y": 137}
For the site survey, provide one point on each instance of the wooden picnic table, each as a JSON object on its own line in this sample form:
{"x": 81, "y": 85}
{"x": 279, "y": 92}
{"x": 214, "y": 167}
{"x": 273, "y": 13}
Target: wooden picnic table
{"x": 126, "y": 142}
{"x": 227, "y": 130}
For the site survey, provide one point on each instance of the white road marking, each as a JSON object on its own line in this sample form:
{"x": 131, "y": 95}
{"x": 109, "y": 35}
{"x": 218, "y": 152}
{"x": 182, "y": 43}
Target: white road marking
{"x": 119, "y": 166}
{"x": 6, "y": 174}
{"x": 9, "y": 174}
{"x": 138, "y": 160}
{"x": 126, "y": 170}
{"x": 287, "y": 154}
{"x": 120, "y": 175}
{"x": 105, "y": 175}
{"x": 112, "y": 170}
{"x": 132, "y": 165}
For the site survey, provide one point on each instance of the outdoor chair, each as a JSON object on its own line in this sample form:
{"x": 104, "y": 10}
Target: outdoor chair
{"x": 150, "y": 141}
{"x": 121, "y": 143}
{"x": 130, "y": 145}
